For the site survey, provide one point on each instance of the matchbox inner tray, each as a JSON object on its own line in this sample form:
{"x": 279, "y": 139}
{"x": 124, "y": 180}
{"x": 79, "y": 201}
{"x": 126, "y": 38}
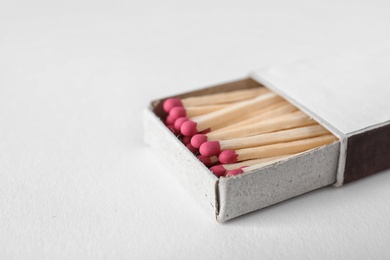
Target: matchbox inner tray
{"x": 346, "y": 94}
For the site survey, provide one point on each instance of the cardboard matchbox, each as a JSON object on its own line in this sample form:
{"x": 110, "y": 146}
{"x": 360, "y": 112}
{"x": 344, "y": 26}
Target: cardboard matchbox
{"x": 347, "y": 94}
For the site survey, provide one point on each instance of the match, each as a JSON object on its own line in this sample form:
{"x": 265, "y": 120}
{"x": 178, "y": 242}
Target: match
{"x": 215, "y": 147}
{"x": 177, "y": 112}
{"x": 252, "y": 116}
{"x": 210, "y": 120}
{"x": 236, "y": 132}
{"x": 169, "y": 121}
{"x": 208, "y": 161}
{"x": 213, "y": 99}
{"x": 296, "y": 119}
{"x": 177, "y": 116}
{"x": 220, "y": 169}
{"x": 232, "y": 156}
{"x": 253, "y": 167}
{"x": 274, "y": 110}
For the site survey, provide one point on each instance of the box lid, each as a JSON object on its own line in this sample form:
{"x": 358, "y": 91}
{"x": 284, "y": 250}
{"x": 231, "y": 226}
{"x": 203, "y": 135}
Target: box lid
{"x": 349, "y": 94}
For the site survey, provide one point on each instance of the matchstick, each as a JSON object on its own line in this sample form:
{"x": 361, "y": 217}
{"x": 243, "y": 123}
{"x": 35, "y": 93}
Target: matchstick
{"x": 220, "y": 169}
{"x": 177, "y": 112}
{"x": 213, "y": 99}
{"x": 201, "y": 110}
{"x": 248, "y": 128}
{"x": 208, "y": 121}
{"x": 232, "y": 156}
{"x": 169, "y": 121}
{"x": 272, "y": 111}
{"x": 253, "y": 167}
{"x": 208, "y": 161}
{"x": 178, "y": 122}
{"x": 296, "y": 119}
{"x": 215, "y": 147}
{"x": 185, "y": 140}
{"x": 191, "y": 148}
{"x": 179, "y": 115}
{"x": 249, "y": 116}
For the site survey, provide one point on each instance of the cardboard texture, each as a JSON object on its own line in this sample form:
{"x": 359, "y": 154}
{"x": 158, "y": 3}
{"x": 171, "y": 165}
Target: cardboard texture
{"x": 194, "y": 176}
{"x": 346, "y": 94}
{"x": 283, "y": 180}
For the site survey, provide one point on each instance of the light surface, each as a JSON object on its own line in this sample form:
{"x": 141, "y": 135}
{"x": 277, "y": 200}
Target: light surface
{"x": 77, "y": 181}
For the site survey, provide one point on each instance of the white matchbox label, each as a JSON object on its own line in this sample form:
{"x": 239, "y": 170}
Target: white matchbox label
{"x": 349, "y": 93}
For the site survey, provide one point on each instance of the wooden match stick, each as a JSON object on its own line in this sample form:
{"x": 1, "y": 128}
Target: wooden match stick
{"x": 178, "y": 115}
{"x": 272, "y": 111}
{"x": 177, "y": 112}
{"x": 213, "y": 99}
{"x": 296, "y": 119}
{"x": 253, "y": 167}
{"x": 201, "y": 110}
{"x": 215, "y": 147}
{"x": 218, "y": 117}
{"x": 208, "y": 161}
{"x": 232, "y": 156}
{"x": 249, "y": 115}
{"x": 179, "y": 121}
{"x": 191, "y": 148}
{"x": 220, "y": 169}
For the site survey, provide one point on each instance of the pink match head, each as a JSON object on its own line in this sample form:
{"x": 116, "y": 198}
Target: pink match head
{"x": 177, "y": 112}
{"x": 171, "y": 103}
{"x": 179, "y": 122}
{"x": 209, "y": 148}
{"x": 191, "y": 148}
{"x": 169, "y": 120}
{"x": 198, "y": 139}
{"x": 208, "y": 161}
{"x": 234, "y": 172}
{"x": 218, "y": 170}
{"x": 188, "y": 128}
{"x": 228, "y": 156}
{"x": 186, "y": 140}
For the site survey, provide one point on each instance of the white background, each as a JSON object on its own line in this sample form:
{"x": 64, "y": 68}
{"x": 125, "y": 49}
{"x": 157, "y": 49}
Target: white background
{"x": 77, "y": 181}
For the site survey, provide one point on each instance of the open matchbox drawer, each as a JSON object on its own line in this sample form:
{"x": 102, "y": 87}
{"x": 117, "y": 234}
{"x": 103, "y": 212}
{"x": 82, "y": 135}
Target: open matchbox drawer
{"x": 346, "y": 94}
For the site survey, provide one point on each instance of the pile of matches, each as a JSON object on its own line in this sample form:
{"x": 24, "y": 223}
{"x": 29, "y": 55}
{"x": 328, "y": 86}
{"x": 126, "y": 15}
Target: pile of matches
{"x": 240, "y": 131}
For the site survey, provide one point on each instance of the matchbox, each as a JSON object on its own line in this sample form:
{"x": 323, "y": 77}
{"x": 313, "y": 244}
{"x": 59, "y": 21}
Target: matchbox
{"x": 346, "y": 95}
